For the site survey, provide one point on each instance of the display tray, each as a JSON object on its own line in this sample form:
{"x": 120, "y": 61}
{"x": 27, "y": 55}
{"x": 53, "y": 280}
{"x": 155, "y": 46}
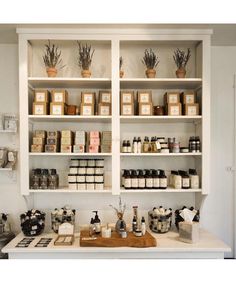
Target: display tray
{"x": 131, "y": 241}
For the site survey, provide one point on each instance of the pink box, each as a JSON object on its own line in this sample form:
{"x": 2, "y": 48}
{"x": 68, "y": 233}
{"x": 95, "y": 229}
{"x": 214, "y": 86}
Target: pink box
{"x": 93, "y": 148}
{"x": 94, "y": 141}
{"x": 94, "y": 134}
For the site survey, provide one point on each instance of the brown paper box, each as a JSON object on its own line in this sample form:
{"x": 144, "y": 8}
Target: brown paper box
{"x": 188, "y": 97}
{"x": 104, "y": 96}
{"x": 104, "y": 109}
{"x": 40, "y": 141}
{"x": 40, "y": 108}
{"x": 171, "y": 97}
{"x": 59, "y": 96}
{"x": 41, "y": 95}
{"x": 127, "y": 97}
{"x": 191, "y": 109}
{"x": 88, "y": 97}
{"x": 57, "y": 108}
{"x": 144, "y": 96}
{"x": 174, "y": 109}
{"x": 86, "y": 109}
{"x": 145, "y": 109}
{"x": 127, "y": 109}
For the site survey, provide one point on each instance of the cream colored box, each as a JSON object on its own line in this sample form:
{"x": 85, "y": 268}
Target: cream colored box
{"x": 188, "y": 97}
{"x": 57, "y": 108}
{"x": 59, "y": 95}
{"x": 39, "y": 141}
{"x": 36, "y": 148}
{"x": 66, "y": 134}
{"x": 145, "y": 109}
{"x": 171, "y": 97}
{"x": 144, "y": 96}
{"x": 191, "y": 109}
{"x": 127, "y": 97}
{"x": 88, "y": 97}
{"x": 86, "y": 110}
{"x": 127, "y": 109}
{"x": 40, "y": 108}
{"x": 104, "y": 96}
{"x": 174, "y": 109}
{"x": 41, "y": 95}
{"x": 104, "y": 109}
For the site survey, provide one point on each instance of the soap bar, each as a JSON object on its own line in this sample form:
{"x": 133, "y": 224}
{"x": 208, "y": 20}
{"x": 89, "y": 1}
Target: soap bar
{"x": 51, "y": 148}
{"x": 78, "y": 148}
{"x": 37, "y": 140}
{"x": 40, "y": 134}
{"x": 66, "y": 134}
{"x": 94, "y": 141}
{"x": 93, "y": 148}
{"x": 54, "y": 134}
{"x": 53, "y": 141}
{"x": 36, "y": 148}
{"x": 66, "y": 141}
{"x": 94, "y": 134}
{"x": 66, "y": 148}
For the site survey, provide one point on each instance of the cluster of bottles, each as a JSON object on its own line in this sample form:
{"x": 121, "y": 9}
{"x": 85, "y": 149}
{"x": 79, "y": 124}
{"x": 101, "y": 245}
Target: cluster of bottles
{"x": 138, "y": 226}
{"x": 156, "y": 179}
{"x": 44, "y": 179}
{"x": 159, "y": 145}
{"x": 144, "y": 179}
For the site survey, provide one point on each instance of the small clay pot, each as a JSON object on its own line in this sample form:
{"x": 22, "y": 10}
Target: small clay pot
{"x": 121, "y": 74}
{"x": 180, "y": 73}
{"x": 151, "y": 73}
{"x": 52, "y": 72}
{"x": 85, "y": 74}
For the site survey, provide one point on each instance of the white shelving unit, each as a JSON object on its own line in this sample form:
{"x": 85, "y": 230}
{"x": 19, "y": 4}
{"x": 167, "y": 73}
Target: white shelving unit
{"x": 110, "y": 45}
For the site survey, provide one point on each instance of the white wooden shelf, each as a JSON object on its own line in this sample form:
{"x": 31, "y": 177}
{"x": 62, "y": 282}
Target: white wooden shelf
{"x": 66, "y": 190}
{"x": 160, "y": 154}
{"x": 68, "y": 118}
{"x": 160, "y": 119}
{"x": 8, "y": 131}
{"x": 45, "y": 82}
{"x": 68, "y": 154}
{"x": 160, "y": 83}
{"x": 6, "y": 169}
{"x": 168, "y": 190}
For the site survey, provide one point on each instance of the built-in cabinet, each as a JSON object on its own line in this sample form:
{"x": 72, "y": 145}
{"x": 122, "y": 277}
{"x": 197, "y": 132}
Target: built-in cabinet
{"x": 109, "y": 45}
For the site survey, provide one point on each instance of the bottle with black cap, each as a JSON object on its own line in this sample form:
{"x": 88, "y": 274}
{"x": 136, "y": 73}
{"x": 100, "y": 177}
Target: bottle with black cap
{"x": 135, "y": 145}
{"x": 92, "y": 229}
{"x": 149, "y": 180}
{"x": 123, "y": 178}
{"x": 146, "y": 145}
{"x": 141, "y": 180}
{"x": 185, "y": 179}
{"x": 134, "y": 180}
{"x": 139, "y": 145}
{"x": 134, "y": 224}
{"x": 156, "y": 180}
{"x": 129, "y": 147}
{"x": 194, "y": 179}
{"x": 97, "y": 223}
{"x": 163, "y": 180}
{"x": 124, "y": 146}
{"x": 127, "y": 180}
{"x": 44, "y": 179}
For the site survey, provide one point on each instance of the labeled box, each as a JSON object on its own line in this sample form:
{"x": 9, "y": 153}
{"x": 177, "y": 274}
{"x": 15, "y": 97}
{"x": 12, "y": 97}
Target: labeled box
{"x": 127, "y": 109}
{"x": 57, "y": 108}
{"x": 36, "y": 148}
{"x": 78, "y": 148}
{"x": 145, "y": 109}
{"x": 80, "y": 134}
{"x": 53, "y": 141}
{"x": 188, "y": 97}
{"x": 171, "y": 97}
{"x": 41, "y": 95}
{"x": 86, "y": 109}
{"x": 40, "y": 141}
{"x": 191, "y": 109}
{"x": 51, "y": 148}
{"x": 174, "y": 109}
{"x": 93, "y": 148}
{"x": 104, "y": 96}
{"x": 80, "y": 140}
{"x": 66, "y": 148}
{"x": 88, "y": 97}
{"x": 94, "y": 134}
{"x": 104, "y": 109}
{"x": 40, "y": 134}
{"x": 105, "y": 148}
{"x": 66, "y": 141}
{"x": 59, "y": 96}
{"x": 94, "y": 141}
{"x": 53, "y": 134}
{"x": 144, "y": 96}
{"x": 40, "y": 108}
{"x": 127, "y": 97}
{"x": 67, "y": 134}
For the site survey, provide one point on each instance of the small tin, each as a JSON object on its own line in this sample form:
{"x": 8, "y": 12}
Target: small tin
{"x": 99, "y": 162}
{"x": 90, "y": 170}
{"x": 165, "y": 150}
{"x": 74, "y": 162}
{"x": 90, "y": 186}
{"x": 83, "y": 162}
{"x": 99, "y": 186}
{"x": 184, "y": 149}
{"x": 81, "y": 186}
{"x": 99, "y": 178}
{"x": 73, "y": 170}
{"x": 91, "y": 163}
{"x": 82, "y": 170}
{"x": 99, "y": 170}
{"x": 80, "y": 178}
{"x": 72, "y": 178}
{"x": 72, "y": 186}
{"x": 89, "y": 178}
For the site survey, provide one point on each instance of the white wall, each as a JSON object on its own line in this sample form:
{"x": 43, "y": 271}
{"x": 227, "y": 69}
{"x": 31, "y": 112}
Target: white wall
{"x": 217, "y": 210}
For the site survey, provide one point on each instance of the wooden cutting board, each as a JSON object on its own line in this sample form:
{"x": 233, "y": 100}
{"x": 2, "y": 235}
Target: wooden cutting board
{"x": 145, "y": 241}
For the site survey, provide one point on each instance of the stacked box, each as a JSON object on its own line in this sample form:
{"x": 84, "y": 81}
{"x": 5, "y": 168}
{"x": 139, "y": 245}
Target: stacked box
{"x": 53, "y": 141}
{"x": 94, "y": 142}
{"x": 190, "y": 107}
{"x": 172, "y": 103}
{"x": 106, "y": 142}
{"x": 41, "y": 102}
{"x": 145, "y": 106}
{"x": 127, "y": 103}
{"x": 38, "y": 143}
{"x": 66, "y": 141}
{"x": 87, "y": 105}
{"x": 104, "y": 105}
{"x": 80, "y": 142}
{"x": 59, "y": 98}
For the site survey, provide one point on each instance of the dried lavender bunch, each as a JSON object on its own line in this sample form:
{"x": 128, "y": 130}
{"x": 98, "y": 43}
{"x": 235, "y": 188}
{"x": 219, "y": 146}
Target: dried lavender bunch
{"x": 181, "y": 58}
{"x": 85, "y": 56}
{"x": 119, "y": 212}
{"x": 150, "y": 59}
{"x": 121, "y": 62}
{"x": 52, "y": 56}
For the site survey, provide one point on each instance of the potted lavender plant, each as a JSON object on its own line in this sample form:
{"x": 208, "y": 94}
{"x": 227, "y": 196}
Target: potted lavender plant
{"x": 181, "y": 59}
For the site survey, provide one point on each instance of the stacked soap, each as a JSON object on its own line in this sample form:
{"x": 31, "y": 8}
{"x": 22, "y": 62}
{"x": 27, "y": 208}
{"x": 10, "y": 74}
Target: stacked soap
{"x": 106, "y": 142}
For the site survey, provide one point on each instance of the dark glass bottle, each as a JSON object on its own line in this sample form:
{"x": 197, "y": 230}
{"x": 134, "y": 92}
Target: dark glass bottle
{"x": 134, "y": 180}
{"x": 149, "y": 180}
{"x": 141, "y": 180}
{"x": 163, "y": 180}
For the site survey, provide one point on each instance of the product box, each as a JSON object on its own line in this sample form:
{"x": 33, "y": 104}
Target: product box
{"x": 38, "y": 140}
{"x": 53, "y": 141}
{"x": 94, "y": 141}
{"x": 40, "y": 108}
{"x": 67, "y": 134}
{"x": 191, "y": 109}
{"x": 127, "y": 109}
{"x": 66, "y": 148}
{"x": 41, "y": 95}
{"x": 40, "y": 134}
{"x": 36, "y": 148}
{"x": 105, "y": 148}
{"x": 127, "y": 97}
{"x": 144, "y": 96}
{"x": 174, "y": 109}
{"x": 94, "y": 134}
{"x": 104, "y": 109}
{"x": 80, "y": 140}
{"x": 66, "y": 141}
{"x": 53, "y": 134}
{"x": 80, "y": 134}
{"x": 51, "y": 148}
{"x": 88, "y": 97}
{"x": 58, "y": 108}
{"x": 145, "y": 109}
{"x": 188, "y": 97}
{"x": 86, "y": 109}
{"x": 72, "y": 110}
{"x": 78, "y": 148}
{"x": 171, "y": 97}
{"x": 59, "y": 96}
{"x": 104, "y": 96}
{"x": 93, "y": 148}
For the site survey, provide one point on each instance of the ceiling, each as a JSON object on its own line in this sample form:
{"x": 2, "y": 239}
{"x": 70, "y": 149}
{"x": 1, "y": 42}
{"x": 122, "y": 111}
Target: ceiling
{"x": 223, "y": 34}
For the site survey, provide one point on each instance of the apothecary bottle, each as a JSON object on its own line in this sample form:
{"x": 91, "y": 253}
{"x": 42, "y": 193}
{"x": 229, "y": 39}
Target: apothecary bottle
{"x": 44, "y": 179}
{"x": 127, "y": 180}
{"x": 134, "y": 180}
{"x": 149, "y": 180}
{"x": 141, "y": 180}
{"x": 35, "y": 179}
{"x": 162, "y": 180}
{"x": 146, "y": 145}
{"x": 53, "y": 180}
{"x": 156, "y": 180}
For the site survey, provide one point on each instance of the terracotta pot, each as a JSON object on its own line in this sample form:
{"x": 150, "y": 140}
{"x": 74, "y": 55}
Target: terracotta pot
{"x": 121, "y": 74}
{"x": 151, "y": 73}
{"x": 85, "y": 74}
{"x": 52, "y": 72}
{"x": 180, "y": 73}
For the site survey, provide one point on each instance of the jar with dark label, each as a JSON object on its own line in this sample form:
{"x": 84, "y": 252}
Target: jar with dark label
{"x": 35, "y": 179}
{"x": 134, "y": 180}
{"x": 185, "y": 179}
{"x": 149, "y": 180}
{"x": 141, "y": 180}
{"x": 124, "y": 148}
{"x": 127, "y": 180}
{"x": 156, "y": 180}
{"x": 162, "y": 180}
{"x": 129, "y": 147}
{"x": 198, "y": 144}
{"x": 192, "y": 144}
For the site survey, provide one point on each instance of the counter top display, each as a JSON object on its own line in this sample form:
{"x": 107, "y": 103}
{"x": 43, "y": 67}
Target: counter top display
{"x": 168, "y": 246}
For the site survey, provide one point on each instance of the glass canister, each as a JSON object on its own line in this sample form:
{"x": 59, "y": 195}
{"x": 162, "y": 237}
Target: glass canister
{"x": 59, "y": 216}
{"x": 160, "y": 220}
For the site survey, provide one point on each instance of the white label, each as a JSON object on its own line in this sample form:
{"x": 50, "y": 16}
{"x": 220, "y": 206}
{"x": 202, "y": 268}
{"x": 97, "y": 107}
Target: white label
{"x": 156, "y": 183}
{"x": 34, "y": 227}
{"x": 174, "y": 110}
{"x": 72, "y": 179}
{"x": 58, "y": 97}
{"x": 40, "y": 97}
{"x": 56, "y": 110}
{"x": 99, "y": 179}
{"x": 163, "y": 182}
{"x": 104, "y": 110}
{"x": 127, "y": 109}
{"x": 90, "y": 179}
{"x": 127, "y": 183}
{"x": 126, "y": 98}
{"x": 189, "y": 98}
{"x": 81, "y": 179}
{"x": 90, "y": 186}
{"x": 39, "y": 109}
{"x": 141, "y": 183}
{"x": 177, "y": 182}
{"x": 185, "y": 182}
{"x": 99, "y": 171}
{"x": 87, "y": 110}
{"x": 99, "y": 187}
{"x": 82, "y": 187}
{"x": 173, "y": 98}
{"x": 106, "y": 97}
{"x": 144, "y": 97}
{"x": 192, "y": 110}
{"x": 88, "y": 98}
{"x": 149, "y": 182}
{"x": 11, "y": 156}
{"x": 145, "y": 109}
{"x": 134, "y": 183}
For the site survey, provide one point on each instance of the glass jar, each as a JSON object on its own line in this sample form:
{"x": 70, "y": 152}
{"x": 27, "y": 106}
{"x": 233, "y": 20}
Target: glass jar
{"x": 44, "y": 179}
{"x": 53, "y": 180}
